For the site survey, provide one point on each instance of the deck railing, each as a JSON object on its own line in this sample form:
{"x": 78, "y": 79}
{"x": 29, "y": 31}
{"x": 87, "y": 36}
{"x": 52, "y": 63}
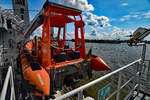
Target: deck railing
{"x": 136, "y": 75}
{"x": 145, "y": 77}
{"x": 9, "y": 78}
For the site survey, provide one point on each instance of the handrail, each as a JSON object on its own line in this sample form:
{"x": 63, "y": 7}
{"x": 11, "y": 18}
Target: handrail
{"x": 9, "y": 78}
{"x": 95, "y": 81}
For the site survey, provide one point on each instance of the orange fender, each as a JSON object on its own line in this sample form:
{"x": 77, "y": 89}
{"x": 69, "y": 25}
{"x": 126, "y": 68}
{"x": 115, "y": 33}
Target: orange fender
{"x": 98, "y": 64}
{"x": 39, "y": 78}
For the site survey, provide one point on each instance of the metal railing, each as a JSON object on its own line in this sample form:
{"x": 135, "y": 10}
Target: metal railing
{"x": 135, "y": 65}
{"x": 145, "y": 77}
{"x": 9, "y": 78}
{"x": 101, "y": 79}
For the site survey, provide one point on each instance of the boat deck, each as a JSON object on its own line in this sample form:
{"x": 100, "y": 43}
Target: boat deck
{"x": 140, "y": 96}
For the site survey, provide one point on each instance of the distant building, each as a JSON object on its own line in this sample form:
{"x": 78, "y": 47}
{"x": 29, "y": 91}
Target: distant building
{"x": 21, "y": 9}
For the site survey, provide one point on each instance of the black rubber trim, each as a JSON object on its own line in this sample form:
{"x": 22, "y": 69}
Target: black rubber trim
{"x": 30, "y": 59}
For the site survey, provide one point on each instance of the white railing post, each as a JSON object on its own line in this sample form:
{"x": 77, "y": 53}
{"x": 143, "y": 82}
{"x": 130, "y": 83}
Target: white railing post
{"x": 12, "y": 87}
{"x": 148, "y": 75}
{"x": 9, "y": 78}
{"x": 80, "y": 95}
{"x": 5, "y": 86}
{"x": 119, "y": 85}
{"x": 141, "y": 66}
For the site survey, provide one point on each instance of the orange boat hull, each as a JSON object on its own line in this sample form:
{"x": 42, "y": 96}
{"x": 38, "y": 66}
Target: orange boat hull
{"x": 38, "y": 78}
{"x": 98, "y": 64}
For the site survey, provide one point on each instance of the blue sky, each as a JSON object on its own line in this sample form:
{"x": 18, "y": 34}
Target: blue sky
{"x": 105, "y": 19}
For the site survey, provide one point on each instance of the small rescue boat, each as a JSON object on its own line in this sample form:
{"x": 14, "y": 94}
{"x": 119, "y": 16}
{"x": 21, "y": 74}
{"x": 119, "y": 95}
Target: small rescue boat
{"x": 41, "y": 56}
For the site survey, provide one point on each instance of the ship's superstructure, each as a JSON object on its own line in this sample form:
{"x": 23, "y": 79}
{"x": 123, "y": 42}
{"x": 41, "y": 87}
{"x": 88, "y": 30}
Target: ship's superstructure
{"x": 11, "y": 28}
{"x": 20, "y": 8}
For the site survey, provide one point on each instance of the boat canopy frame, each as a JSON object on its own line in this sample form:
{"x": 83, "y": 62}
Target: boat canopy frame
{"x": 56, "y": 15}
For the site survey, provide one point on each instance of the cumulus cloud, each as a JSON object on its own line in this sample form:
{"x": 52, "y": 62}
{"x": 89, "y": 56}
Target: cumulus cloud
{"x": 115, "y": 33}
{"x": 131, "y": 15}
{"x": 79, "y": 4}
{"x": 146, "y": 14}
{"x": 102, "y": 18}
{"x": 92, "y": 22}
{"x": 127, "y": 16}
{"x": 99, "y": 22}
{"x": 124, "y": 4}
{"x": 104, "y": 24}
{"x": 118, "y": 33}
{"x": 95, "y": 33}
{"x": 96, "y": 36}
{"x": 122, "y": 19}
{"x": 135, "y": 16}
{"x": 93, "y": 19}
{"x": 96, "y": 23}
{"x": 70, "y": 35}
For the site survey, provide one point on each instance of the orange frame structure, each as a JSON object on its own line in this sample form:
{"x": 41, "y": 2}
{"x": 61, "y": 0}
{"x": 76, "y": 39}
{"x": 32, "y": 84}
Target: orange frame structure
{"x": 58, "y": 16}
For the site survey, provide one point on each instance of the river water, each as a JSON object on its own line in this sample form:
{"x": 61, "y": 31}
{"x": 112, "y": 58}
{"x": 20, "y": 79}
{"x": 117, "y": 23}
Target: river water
{"x": 116, "y": 55}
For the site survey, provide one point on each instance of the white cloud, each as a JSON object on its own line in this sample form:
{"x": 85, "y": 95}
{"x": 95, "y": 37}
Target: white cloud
{"x": 105, "y": 24}
{"x": 102, "y": 18}
{"x": 92, "y": 22}
{"x": 122, "y": 19}
{"x": 131, "y": 15}
{"x": 96, "y": 23}
{"x": 93, "y": 19}
{"x": 117, "y": 33}
{"x": 96, "y": 29}
{"x": 135, "y": 16}
{"x": 70, "y": 35}
{"x": 99, "y": 22}
{"x": 127, "y": 16}
{"x": 124, "y": 4}
{"x": 146, "y": 14}
{"x": 100, "y": 28}
{"x": 37, "y": 32}
{"x": 96, "y": 36}
{"x": 116, "y": 29}
{"x": 79, "y": 4}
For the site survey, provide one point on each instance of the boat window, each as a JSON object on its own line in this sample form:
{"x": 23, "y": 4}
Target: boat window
{"x": 70, "y": 31}
{"x": 55, "y": 35}
{"x": 22, "y": 17}
{"x": 79, "y": 33}
{"x": 55, "y": 32}
{"x": 71, "y": 17}
{"x": 61, "y": 33}
{"x": 21, "y": 10}
{"x": 77, "y": 17}
{"x": 21, "y": 2}
{"x": 8, "y": 21}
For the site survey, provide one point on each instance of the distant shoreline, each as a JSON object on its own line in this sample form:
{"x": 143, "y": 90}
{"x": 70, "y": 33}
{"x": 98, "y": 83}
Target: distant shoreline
{"x": 109, "y": 41}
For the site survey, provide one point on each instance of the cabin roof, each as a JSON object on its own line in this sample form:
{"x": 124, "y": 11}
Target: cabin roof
{"x": 58, "y": 8}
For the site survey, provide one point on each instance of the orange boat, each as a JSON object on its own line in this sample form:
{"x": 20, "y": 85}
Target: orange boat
{"x": 50, "y": 60}
{"x": 36, "y": 74}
